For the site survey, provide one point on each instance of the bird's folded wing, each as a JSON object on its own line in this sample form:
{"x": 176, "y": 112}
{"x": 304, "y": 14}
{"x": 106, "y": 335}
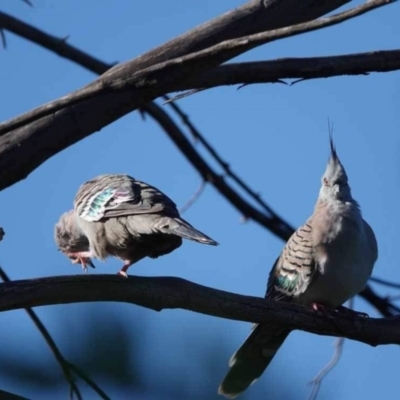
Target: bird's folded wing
{"x": 116, "y": 198}
{"x": 295, "y": 268}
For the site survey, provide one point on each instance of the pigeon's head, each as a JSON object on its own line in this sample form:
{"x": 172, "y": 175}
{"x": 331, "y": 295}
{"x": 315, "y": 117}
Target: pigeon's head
{"x": 68, "y": 235}
{"x": 335, "y": 186}
{"x": 71, "y": 240}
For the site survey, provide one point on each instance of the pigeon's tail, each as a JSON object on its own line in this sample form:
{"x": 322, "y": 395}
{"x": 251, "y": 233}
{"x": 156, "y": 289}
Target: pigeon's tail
{"x": 185, "y": 230}
{"x": 251, "y": 360}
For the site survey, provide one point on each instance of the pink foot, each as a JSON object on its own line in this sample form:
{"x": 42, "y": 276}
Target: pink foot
{"x": 323, "y": 309}
{"x": 318, "y": 307}
{"x": 124, "y": 268}
{"x": 82, "y": 258}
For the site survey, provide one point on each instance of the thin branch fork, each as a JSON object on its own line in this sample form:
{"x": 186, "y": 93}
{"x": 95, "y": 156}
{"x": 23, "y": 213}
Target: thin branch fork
{"x": 159, "y": 293}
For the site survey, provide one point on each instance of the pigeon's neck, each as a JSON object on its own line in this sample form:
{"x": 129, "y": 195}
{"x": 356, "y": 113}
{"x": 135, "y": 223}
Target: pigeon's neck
{"x": 349, "y": 208}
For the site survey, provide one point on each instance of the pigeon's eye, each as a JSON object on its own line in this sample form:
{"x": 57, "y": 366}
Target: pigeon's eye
{"x": 326, "y": 183}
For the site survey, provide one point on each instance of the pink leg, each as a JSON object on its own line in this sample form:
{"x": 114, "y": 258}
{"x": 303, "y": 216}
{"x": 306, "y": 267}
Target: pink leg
{"x": 323, "y": 309}
{"x": 124, "y": 268}
{"x": 318, "y": 307}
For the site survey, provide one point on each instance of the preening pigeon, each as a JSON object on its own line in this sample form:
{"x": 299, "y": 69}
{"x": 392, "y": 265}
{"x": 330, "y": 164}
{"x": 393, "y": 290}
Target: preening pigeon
{"x": 117, "y": 215}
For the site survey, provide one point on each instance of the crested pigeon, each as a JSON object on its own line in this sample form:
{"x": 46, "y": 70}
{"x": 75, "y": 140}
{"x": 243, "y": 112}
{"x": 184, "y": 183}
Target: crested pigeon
{"x": 325, "y": 262}
{"x": 128, "y": 219}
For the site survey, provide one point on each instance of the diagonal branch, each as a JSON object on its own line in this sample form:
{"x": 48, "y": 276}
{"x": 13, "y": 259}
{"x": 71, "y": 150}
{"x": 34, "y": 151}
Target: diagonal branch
{"x": 160, "y": 293}
{"x": 163, "y": 77}
{"x": 53, "y": 43}
{"x": 269, "y": 220}
{"x": 223, "y": 164}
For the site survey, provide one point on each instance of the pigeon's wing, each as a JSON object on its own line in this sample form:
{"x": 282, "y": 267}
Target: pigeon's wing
{"x": 119, "y": 195}
{"x": 295, "y": 269}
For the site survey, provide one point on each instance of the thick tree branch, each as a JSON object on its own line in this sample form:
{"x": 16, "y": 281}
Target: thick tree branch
{"x": 160, "y": 293}
{"x": 49, "y": 135}
{"x": 147, "y": 83}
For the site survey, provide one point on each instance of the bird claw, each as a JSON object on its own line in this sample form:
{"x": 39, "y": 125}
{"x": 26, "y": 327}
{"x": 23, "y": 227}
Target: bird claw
{"x": 124, "y": 268}
{"x": 122, "y": 273}
{"x": 83, "y": 260}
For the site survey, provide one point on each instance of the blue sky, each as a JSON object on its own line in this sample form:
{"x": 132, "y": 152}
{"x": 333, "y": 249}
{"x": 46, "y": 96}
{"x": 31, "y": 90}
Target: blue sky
{"x": 274, "y": 136}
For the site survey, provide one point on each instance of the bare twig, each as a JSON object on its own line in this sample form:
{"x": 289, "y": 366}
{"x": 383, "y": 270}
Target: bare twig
{"x": 2, "y": 233}
{"x": 184, "y": 118}
{"x": 338, "y": 349}
{"x": 174, "y": 99}
{"x": 90, "y": 382}
{"x": 194, "y": 197}
{"x": 385, "y": 282}
{"x": 65, "y": 365}
{"x": 28, "y": 2}
{"x": 3, "y": 38}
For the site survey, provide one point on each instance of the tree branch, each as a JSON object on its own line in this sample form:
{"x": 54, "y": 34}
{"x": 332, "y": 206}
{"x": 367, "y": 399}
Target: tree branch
{"x": 66, "y": 127}
{"x": 296, "y": 68}
{"x": 160, "y": 293}
{"x": 385, "y": 282}
{"x": 166, "y": 76}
